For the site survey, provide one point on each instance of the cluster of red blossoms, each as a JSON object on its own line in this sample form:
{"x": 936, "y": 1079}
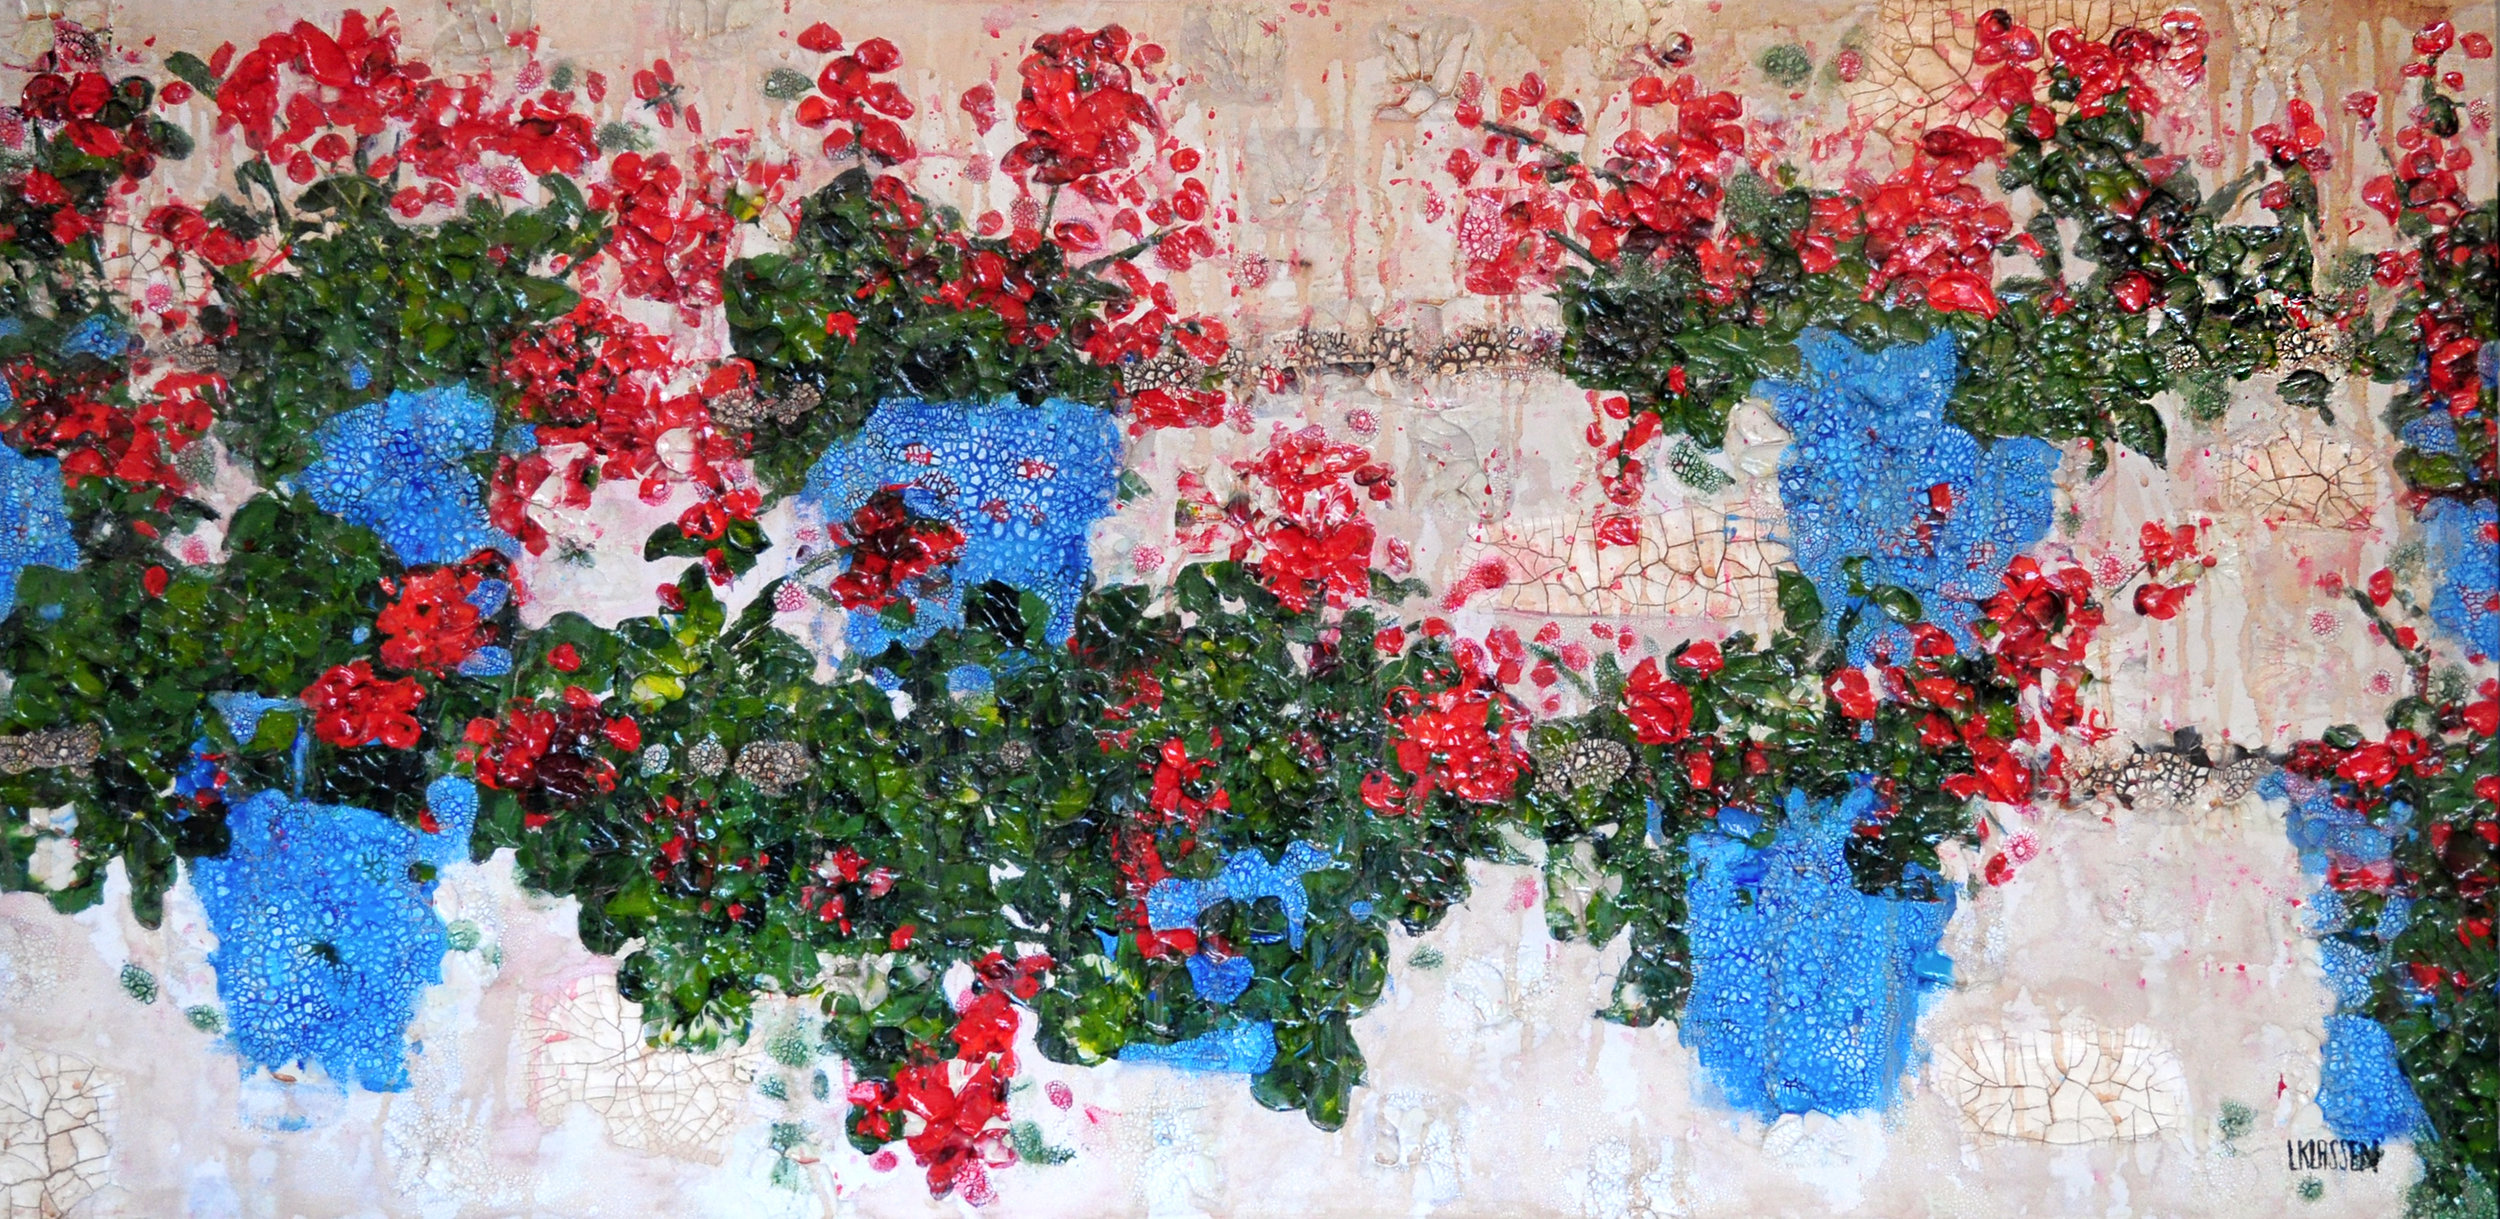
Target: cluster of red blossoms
{"x": 2169, "y": 554}
{"x": 347, "y": 88}
{"x": 1928, "y": 230}
{"x": 1317, "y": 545}
{"x": 828, "y": 897}
{"x": 598, "y": 379}
{"x": 952, "y": 1112}
{"x": 2433, "y": 154}
{"x": 889, "y": 547}
{"x": 70, "y": 101}
{"x": 2035, "y": 628}
{"x": 1463, "y": 740}
{"x": 1179, "y": 790}
{"x": 1659, "y": 708}
{"x": 1079, "y": 113}
{"x": 670, "y": 242}
{"x": 848, "y": 94}
{"x": 79, "y": 416}
{"x": 351, "y": 707}
{"x": 2112, "y": 69}
{"x": 1084, "y": 128}
{"x": 1084, "y": 125}
{"x": 551, "y": 756}
{"x": 432, "y": 625}
{"x": 2444, "y": 275}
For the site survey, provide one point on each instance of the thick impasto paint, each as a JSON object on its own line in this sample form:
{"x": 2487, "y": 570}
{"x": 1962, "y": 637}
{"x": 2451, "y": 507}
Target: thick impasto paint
{"x": 1627, "y": 607}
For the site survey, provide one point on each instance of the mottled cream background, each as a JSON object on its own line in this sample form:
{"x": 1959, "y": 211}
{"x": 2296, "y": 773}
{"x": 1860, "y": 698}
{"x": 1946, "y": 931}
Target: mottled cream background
{"x": 2147, "y": 968}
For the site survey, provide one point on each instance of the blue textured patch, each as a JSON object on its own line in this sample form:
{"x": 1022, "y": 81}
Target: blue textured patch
{"x": 102, "y": 336}
{"x": 1247, "y": 1048}
{"x": 1805, "y": 991}
{"x": 394, "y": 467}
{"x": 324, "y": 940}
{"x": 967, "y": 681}
{"x": 1175, "y": 904}
{"x": 2464, "y": 555}
{"x": 2323, "y": 831}
{"x": 1023, "y": 483}
{"x": 2430, "y": 434}
{"x": 453, "y": 802}
{"x": 242, "y": 711}
{"x": 2361, "y": 1087}
{"x": 488, "y": 661}
{"x": 34, "y": 521}
{"x": 1220, "y": 981}
{"x": 489, "y": 597}
{"x": 1870, "y": 445}
{"x": 197, "y": 777}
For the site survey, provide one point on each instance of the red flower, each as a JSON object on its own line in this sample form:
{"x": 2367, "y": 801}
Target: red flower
{"x": 2133, "y": 290}
{"x": 1454, "y": 741}
{"x": 156, "y": 579}
{"x": 2161, "y": 602}
{"x": 1079, "y": 116}
{"x": 1318, "y": 545}
{"x": 1996, "y": 774}
{"x": 2162, "y": 546}
{"x": 1382, "y": 794}
{"x": 352, "y": 707}
{"x": 2483, "y": 717}
{"x": 1702, "y": 657}
{"x": 1850, "y": 689}
{"x": 1173, "y": 769}
{"x": 987, "y": 1025}
{"x": 1660, "y": 710}
{"x": 432, "y": 626}
{"x": 703, "y": 519}
{"x": 550, "y": 754}
{"x": 889, "y": 547}
{"x": 623, "y": 734}
{"x": 671, "y": 235}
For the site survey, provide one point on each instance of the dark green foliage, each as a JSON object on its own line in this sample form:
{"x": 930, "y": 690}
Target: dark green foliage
{"x": 2453, "y": 297}
{"x": 364, "y": 298}
{"x": 92, "y": 646}
{"x": 2060, "y": 359}
{"x": 915, "y": 284}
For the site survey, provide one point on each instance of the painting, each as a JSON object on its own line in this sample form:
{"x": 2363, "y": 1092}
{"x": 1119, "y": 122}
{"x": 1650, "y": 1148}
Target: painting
{"x": 1326, "y": 608}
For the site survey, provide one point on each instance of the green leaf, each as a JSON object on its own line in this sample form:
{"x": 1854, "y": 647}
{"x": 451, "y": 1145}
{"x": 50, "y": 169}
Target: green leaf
{"x": 193, "y": 70}
{"x": 2308, "y": 390}
{"x": 1801, "y": 608}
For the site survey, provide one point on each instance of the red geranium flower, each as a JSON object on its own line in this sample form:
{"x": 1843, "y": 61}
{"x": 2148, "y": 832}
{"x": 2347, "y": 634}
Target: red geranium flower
{"x": 352, "y": 707}
{"x": 1078, "y": 113}
{"x": 1660, "y": 710}
{"x": 1849, "y": 687}
{"x": 431, "y": 626}
{"x": 888, "y": 548}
